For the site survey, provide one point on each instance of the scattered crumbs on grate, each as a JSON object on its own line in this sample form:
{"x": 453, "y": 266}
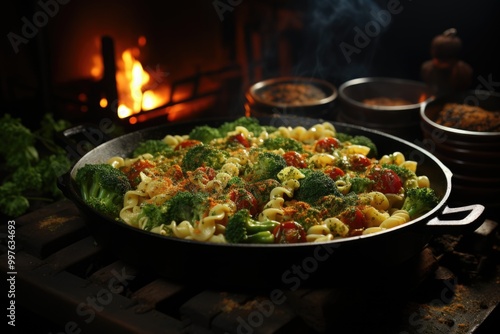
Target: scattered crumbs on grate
{"x": 52, "y": 223}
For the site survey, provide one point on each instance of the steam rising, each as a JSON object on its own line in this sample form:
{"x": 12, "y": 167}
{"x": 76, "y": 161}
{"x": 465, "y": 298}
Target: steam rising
{"x": 329, "y": 23}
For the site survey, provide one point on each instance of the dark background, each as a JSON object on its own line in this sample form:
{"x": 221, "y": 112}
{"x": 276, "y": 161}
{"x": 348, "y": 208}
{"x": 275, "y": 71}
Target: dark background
{"x": 293, "y": 38}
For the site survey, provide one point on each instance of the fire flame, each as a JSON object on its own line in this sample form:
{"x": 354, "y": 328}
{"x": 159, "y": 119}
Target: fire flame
{"x": 132, "y": 83}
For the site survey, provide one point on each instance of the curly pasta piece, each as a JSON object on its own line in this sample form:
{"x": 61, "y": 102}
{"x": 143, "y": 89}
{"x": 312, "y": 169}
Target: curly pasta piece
{"x": 423, "y": 181}
{"x": 371, "y": 230}
{"x": 376, "y": 199}
{"x": 217, "y": 214}
{"x": 356, "y": 149}
{"x": 181, "y": 230}
{"x": 116, "y": 162}
{"x": 374, "y": 217}
{"x": 396, "y": 158}
{"x": 174, "y": 140}
{"x": 322, "y": 159}
{"x": 319, "y": 237}
{"x": 337, "y": 227}
{"x": 343, "y": 186}
{"x": 410, "y": 165}
{"x": 397, "y": 218}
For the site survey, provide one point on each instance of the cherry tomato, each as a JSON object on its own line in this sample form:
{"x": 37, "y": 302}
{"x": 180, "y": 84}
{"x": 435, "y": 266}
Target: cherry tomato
{"x": 359, "y": 162}
{"x": 289, "y": 232}
{"x": 244, "y": 200}
{"x": 209, "y": 171}
{"x": 326, "y": 145}
{"x": 334, "y": 172}
{"x": 239, "y": 139}
{"x": 295, "y": 159}
{"x": 353, "y": 217}
{"x": 386, "y": 180}
{"x": 135, "y": 169}
{"x": 187, "y": 144}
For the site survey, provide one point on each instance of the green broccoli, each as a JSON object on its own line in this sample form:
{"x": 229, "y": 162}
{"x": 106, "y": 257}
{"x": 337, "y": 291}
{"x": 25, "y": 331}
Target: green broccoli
{"x": 261, "y": 190}
{"x": 152, "y": 146}
{"x": 333, "y": 205}
{"x": 359, "y": 140}
{"x": 236, "y": 181}
{"x": 102, "y": 187}
{"x": 408, "y": 177}
{"x": 242, "y": 228}
{"x": 267, "y": 165}
{"x": 155, "y": 215}
{"x": 287, "y": 144}
{"x": 20, "y": 149}
{"x": 185, "y": 205}
{"x": 204, "y": 156}
{"x": 204, "y": 133}
{"x": 307, "y": 216}
{"x": 314, "y": 186}
{"x": 360, "y": 184}
{"x": 419, "y": 201}
{"x": 50, "y": 168}
{"x": 12, "y": 202}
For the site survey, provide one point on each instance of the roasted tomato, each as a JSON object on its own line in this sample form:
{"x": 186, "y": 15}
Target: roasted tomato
{"x": 295, "y": 159}
{"x": 359, "y": 162}
{"x": 386, "y": 180}
{"x": 187, "y": 144}
{"x": 239, "y": 139}
{"x": 244, "y": 200}
{"x": 354, "y": 218}
{"x": 289, "y": 232}
{"x": 326, "y": 145}
{"x": 334, "y": 172}
{"x": 135, "y": 170}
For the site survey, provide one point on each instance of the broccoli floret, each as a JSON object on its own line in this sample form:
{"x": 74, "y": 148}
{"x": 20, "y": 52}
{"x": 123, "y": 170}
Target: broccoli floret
{"x": 50, "y": 168}
{"x": 285, "y": 143}
{"x": 242, "y": 228}
{"x": 204, "y": 156}
{"x": 266, "y": 166}
{"x": 419, "y": 201}
{"x": 314, "y": 186}
{"x": 20, "y": 149}
{"x": 155, "y": 215}
{"x": 306, "y": 215}
{"x": 360, "y": 184}
{"x": 236, "y": 181}
{"x": 408, "y": 177}
{"x": 185, "y": 205}
{"x": 261, "y": 190}
{"x": 12, "y": 202}
{"x": 332, "y": 205}
{"x": 250, "y": 123}
{"x": 204, "y": 133}
{"x": 102, "y": 187}
{"x": 152, "y": 146}
{"x": 359, "y": 140}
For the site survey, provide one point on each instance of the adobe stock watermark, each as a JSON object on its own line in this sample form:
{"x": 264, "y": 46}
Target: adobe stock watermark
{"x": 485, "y": 85}
{"x": 88, "y": 309}
{"x": 293, "y": 279}
{"x": 30, "y": 28}
{"x": 223, "y": 6}
{"x": 372, "y": 29}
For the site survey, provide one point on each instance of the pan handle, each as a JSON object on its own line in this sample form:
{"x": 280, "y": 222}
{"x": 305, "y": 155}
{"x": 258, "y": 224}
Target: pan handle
{"x": 456, "y": 222}
{"x": 80, "y": 139}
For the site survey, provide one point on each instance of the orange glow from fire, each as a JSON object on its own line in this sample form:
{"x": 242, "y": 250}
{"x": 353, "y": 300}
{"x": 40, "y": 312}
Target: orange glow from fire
{"x": 422, "y": 98}
{"x": 132, "y": 82}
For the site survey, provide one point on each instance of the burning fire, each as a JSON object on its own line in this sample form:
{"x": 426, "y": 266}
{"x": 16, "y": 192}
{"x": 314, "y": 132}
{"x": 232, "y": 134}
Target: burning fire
{"x": 134, "y": 84}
